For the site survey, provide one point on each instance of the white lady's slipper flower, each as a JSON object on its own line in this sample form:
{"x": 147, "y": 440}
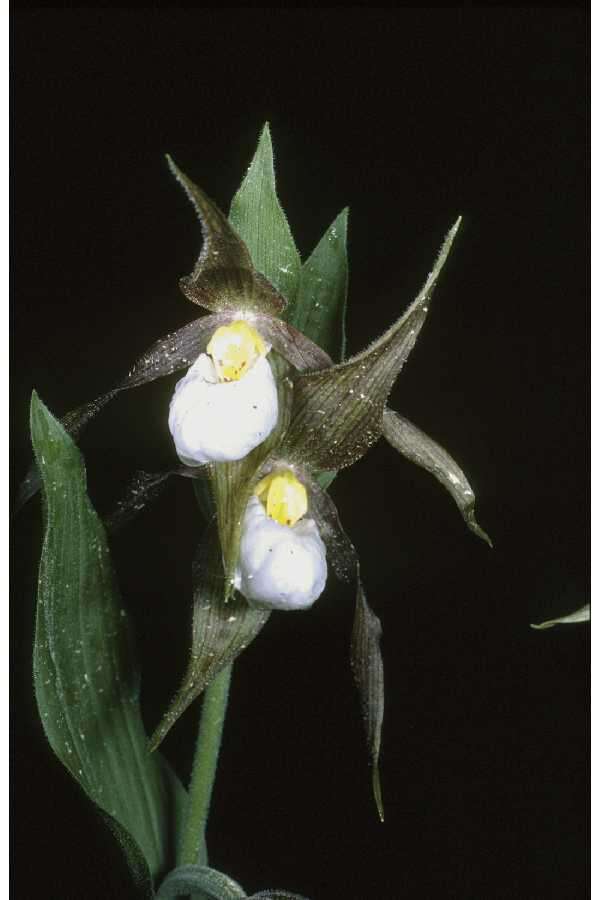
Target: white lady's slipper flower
{"x": 282, "y": 562}
{"x": 227, "y": 403}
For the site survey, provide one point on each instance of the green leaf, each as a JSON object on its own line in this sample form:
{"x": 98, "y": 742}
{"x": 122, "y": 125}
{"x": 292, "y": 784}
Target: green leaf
{"x": 85, "y": 675}
{"x": 338, "y": 412}
{"x": 136, "y": 861}
{"x": 222, "y": 628}
{"x": 204, "y": 882}
{"x": 320, "y": 307}
{"x": 416, "y": 446}
{"x": 258, "y": 218}
{"x": 580, "y": 615}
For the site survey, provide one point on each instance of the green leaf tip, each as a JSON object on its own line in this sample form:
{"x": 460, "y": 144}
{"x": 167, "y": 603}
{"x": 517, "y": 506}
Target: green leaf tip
{"x": 55, "y": 451}
{"x": 580, "y": 615}
{"x": 38, "y": 408}
{"x": 319, "y": 310}
{"x": 258, "y": 218}
{"x": 264, "y": 148}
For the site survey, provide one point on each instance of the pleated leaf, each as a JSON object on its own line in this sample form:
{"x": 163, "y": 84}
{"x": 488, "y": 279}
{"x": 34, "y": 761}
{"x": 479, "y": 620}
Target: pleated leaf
{"x": 85, "y": 675}
{"x": 338, "y": 412}
{"x": 222, "y": 628}
{"x": 416, "y": 446}
{"x": 320, "y": 308}
{"x": 580, "y": 615}
{"x": 257, "y": 217}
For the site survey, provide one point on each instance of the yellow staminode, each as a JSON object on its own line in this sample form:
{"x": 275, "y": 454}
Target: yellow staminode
{"x": 283, "y": 496}
{"x": 234, "y": 350}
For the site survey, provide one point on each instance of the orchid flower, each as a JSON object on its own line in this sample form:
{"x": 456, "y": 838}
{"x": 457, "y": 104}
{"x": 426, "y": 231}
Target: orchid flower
{"x": 282, "y": 562}
{"x": 273, "y": 530}
{"x": 227, "y": 403}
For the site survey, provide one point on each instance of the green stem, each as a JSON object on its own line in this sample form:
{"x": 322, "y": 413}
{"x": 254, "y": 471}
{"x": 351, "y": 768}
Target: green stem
{"x": 214, "y": 707}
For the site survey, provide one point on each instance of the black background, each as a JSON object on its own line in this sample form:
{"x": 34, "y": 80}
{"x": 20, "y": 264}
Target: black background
{"x": 408, "y": 118}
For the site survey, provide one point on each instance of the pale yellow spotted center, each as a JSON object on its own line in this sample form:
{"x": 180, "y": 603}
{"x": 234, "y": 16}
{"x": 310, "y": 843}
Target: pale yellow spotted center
{"x": 234, "y": 350}
{"x": 283, "y": 496}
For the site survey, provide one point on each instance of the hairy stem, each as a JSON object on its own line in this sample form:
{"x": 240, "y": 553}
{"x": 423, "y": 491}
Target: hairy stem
{"x": 214, "y": 708}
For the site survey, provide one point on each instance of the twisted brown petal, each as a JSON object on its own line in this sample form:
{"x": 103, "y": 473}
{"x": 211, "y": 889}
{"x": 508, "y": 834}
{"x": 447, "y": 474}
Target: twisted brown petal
{"x": 143, "y": 489}
{"x": 422, "y": 450}
{"x": 176, "y": 351}
{"x": 367, "y": 663}
{"x": 367, "y": 666}
{"x": 338, "y": 412}
{"x": 302, "y": 353}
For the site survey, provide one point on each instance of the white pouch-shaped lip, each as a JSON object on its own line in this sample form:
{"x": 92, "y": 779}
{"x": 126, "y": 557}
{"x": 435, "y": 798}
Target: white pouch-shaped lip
{"x": 280, "y": 567}
{"x": 214, "y": 421}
